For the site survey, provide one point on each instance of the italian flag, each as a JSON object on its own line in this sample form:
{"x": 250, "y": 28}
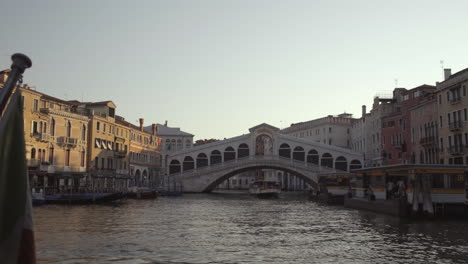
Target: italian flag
{"x": 16, "y": 226}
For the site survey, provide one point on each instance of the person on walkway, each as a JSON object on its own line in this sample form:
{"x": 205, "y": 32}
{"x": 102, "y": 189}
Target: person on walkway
{"x": 390, "y": 187}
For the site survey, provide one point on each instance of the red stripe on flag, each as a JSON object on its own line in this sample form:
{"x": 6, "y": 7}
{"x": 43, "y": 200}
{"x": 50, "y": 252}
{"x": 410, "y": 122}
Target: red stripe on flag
{"x": 27, "y": 250}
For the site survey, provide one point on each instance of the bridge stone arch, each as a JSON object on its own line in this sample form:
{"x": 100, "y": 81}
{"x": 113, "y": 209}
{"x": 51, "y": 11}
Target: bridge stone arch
{"x": 326, "y": 160}
{"x": 285, "y": 150}
{"x": 313, "y": 157}
{"x": 229, "y": 154}
{"x": 299, "y": 153}
{"x": 243, "y": 150}
{"x": 202, "y": 160}
{"x": 215, "y": 157}
{"x": 189, "y": 163}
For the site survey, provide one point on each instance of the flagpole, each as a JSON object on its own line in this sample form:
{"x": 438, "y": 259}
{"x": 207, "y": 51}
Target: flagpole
{"x": 20, "y": 63}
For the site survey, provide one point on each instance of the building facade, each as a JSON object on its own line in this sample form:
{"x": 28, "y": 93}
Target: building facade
{"x": 331, "y": 130}
{"x": 452, "y": 104}
{"x": 145, "y": 156}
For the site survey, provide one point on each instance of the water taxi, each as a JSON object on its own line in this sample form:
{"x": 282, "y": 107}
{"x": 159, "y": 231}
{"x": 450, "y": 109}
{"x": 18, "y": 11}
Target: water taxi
{"x": 265, "y": 189}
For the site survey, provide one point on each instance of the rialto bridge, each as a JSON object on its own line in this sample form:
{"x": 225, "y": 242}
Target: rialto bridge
{"x": 202, "y": 168}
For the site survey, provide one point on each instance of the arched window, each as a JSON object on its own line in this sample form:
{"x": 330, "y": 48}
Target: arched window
{"x": 83, "y": 132}
{"x": 299, "y": 153}
{"x": 173, "y": 145}
{"x": 229, "y": 154}
{"x": 33, "y": 153}
{"x": 52, "y": 127}
{"x": 51, "y": 156}
{"x": 243, "y": 151}
{"x": 179, "y": 144}
{"x": 341, "y": 163}
{"x": 285, "y": 151}
{"x": 168, "y": 144}
{"x": 313, "y": 157}
{"x": 202, "y": 160}
{"x": 215, "y": 157}
{"x": 188, "y": 144}
{"x": 68, "y": 129}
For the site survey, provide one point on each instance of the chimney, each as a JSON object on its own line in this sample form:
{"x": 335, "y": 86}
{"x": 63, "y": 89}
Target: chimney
{"x": 165, "y": 123}
{"x": 141, "y": 123}
{"x": 154, "y": 129}
{"x": 363, "y": 111}
{"x": 447, "y": 73}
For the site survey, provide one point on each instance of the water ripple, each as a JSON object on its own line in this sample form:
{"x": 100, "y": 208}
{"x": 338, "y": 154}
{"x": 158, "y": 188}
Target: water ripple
{"x": 227, "y": 228}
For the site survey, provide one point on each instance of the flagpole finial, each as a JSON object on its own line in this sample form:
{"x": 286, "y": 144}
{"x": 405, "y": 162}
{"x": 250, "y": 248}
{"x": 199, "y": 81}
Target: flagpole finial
{"x": 20, "y": 62}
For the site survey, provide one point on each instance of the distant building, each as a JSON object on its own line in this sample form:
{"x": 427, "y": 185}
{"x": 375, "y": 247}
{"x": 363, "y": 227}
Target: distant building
{"x": 397, "y": 129}
{"x": 172, "y": 140}
{"x": 331, "y": 130}
{"x": 144, "y": 155}
{"x": 366, "y": 131}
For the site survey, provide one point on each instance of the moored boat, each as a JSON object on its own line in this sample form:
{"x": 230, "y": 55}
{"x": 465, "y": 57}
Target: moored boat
{"x": 142, "y": 193}
{"x": 83, "y": 198}
{"x": 265, "y": 189}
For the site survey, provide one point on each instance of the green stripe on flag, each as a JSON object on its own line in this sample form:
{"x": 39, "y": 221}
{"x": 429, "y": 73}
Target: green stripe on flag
{"x": 13, "y": 176}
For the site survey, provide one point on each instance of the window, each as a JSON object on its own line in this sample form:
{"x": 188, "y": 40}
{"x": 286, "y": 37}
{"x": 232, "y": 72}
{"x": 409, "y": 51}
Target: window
{"x": 440, "y": 99}
{"x": 34, "y": 128}
{"x": 68, "y": 129}
{"x": 67, "y": 158}
{"x": 33, "y": 153}
{"x": 464, "y": 112}
{"x": 440, "y": 119}
{"x": 102, "y": 163}
{"x": 329, "y": 130}
{"x": 51, "y": 156}
{"x": 464, "y": 90}
{"x": 35, "y": 105}
{"x": 98, "y": 124}
{"x": 83, "y": 132}
{"x": 82, "y": 158}
{"x": 104, "y": 128}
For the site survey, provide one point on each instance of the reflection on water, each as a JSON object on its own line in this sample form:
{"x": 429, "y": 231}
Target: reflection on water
{"x": 237, "y": 228}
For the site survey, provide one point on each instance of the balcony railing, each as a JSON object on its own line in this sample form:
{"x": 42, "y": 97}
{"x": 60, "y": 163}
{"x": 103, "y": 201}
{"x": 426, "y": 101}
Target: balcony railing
{"x": 44, "y": 137}
{"x": 457, "y": 125}
{"x": 455, "y": 100}
{"x": 67, "y": 141}
{"x": 120, "y": 154}
{"x": 455, "y": 150}
{"x": 427, "y": 141}
{"x": 33, "y": 162}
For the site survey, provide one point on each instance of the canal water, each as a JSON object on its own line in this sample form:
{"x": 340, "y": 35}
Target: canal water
{"x": 237, "y": 228}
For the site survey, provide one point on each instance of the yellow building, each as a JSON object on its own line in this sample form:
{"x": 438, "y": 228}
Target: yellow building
{"x": 144, "y": 156}
{"x": 56, "y": 140}
{"x": 108, "y": 146}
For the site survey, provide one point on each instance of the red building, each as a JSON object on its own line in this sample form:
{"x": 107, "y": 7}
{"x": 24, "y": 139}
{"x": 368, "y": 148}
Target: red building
{"x": 396, "y": 126}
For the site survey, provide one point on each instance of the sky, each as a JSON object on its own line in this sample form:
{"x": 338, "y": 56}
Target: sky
{"x": 217, "y": 68}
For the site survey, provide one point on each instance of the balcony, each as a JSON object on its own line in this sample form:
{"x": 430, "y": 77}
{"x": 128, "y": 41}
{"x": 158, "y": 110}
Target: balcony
{"x": 67, "y": 141}
{"x": 455, "y": 150}
{"x": 33, "y": 162}
{"x": 427, "y": 141}
{"x": 43, "y": 137}
{"x": 457, "y": 125}
{"x": 455, "y": 100}
{"x": 120, "y": 154}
